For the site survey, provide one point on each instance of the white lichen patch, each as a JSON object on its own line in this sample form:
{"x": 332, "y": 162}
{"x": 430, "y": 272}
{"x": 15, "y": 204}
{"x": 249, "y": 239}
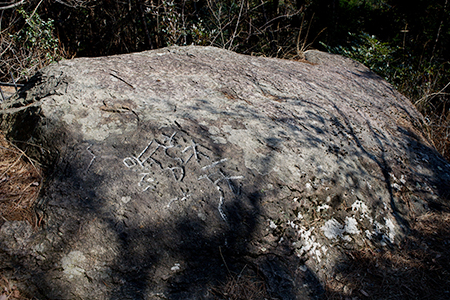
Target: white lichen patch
{"x": 214, "y": 130}
{"x": 332, "y": 229}
{"x": 126, "y": 199}
{"x": 360, "y": 206}
{"x": 397, "y": 183}
{"x": 347, "y": 238}
{"x": 309, "y": 244}
{"x": 176, "y": 267}
{"x": 391, "y": 229}
{"x": 323, "y": 207}
{"x": 393, "y": 176}
{"x": 351, "y": 225}
{"x": 292, "y": 224}
{"x": 377, "y": 227}
{"x": 403, "y": 180}
{"x": 219, "y": 139}
{"x": 396, "y": 186}
{"x": 272, "y": 224}
{"x": 72, "y": 262}
{"x": 96, "y": 128}
{"x": 227, "y": 128}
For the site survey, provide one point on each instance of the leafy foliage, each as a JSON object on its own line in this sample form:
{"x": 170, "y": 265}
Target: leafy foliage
{"x": 367, "y": 49}
{"x": 27, "y": 44}
{"x": 38, "y": 34}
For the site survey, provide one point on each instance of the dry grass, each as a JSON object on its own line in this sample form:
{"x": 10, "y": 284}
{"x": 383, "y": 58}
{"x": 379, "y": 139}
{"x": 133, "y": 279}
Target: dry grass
{"x": 20, "y": 183}
{"x": 438, "y": 128}
{"x": 420, "y": 269}
{"x": 242, "y": 287}
{"x": 9, "y": 291}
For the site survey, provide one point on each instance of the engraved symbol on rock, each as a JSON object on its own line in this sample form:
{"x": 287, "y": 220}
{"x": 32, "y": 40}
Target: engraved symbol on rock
{"x": 219, "y": 176}
{"x": 195, "y": 152}
{"x": 88, "y": 149}
{"x": 165, "y": 158}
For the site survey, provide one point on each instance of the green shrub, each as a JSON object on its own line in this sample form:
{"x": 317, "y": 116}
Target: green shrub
{"x": 37, "y": 34}
{"x": 27, "y": 47}
{"x": 367, "y": 49}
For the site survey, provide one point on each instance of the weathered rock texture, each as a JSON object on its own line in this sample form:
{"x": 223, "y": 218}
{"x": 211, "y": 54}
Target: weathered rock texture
{"x": 171, "y": 170}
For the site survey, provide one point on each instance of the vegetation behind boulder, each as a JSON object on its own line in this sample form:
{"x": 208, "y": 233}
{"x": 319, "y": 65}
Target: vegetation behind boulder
{"x": 405, "y": 42}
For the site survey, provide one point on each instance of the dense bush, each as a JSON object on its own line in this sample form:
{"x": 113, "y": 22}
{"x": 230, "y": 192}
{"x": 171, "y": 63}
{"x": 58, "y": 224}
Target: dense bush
{"x": 28, "y": 46}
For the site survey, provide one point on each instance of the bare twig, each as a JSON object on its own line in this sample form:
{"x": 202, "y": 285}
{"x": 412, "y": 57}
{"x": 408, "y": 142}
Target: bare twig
{"x": 35, "y": 9}
{"x": 14, "y": 81}
{"x": 236, "y": 27}
{"x": 432, "y": 95}
{"x": 268, "y": 23}
{"x": 3, "y": 96}
{"x": 129, "y": 84}
{"x": 11, "y": 84}
{"x": 12, "y": 5}
{"x": 147, "y": 33}
{"x": 74, "y": 3}
{"x": 220, "y": 251}
{"x": 217, "y": 16}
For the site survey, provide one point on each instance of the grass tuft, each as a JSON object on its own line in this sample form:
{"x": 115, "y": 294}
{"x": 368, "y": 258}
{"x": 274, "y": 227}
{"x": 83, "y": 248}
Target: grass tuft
{"x": 20, "y": 184}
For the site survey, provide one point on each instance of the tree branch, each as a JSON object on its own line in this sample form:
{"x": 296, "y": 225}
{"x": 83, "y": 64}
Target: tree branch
{"x": 12, "y": 5}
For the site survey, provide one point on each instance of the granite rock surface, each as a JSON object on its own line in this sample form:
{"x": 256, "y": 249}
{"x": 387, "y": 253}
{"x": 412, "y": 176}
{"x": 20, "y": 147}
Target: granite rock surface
{"x": 170, "y": 171}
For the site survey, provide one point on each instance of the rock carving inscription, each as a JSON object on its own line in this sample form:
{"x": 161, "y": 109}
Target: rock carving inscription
{"x": 88, "y": 149}
{"x": 177, "y": 156}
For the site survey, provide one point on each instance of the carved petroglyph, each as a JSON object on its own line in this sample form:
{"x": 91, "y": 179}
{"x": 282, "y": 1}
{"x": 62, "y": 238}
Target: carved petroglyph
{"x": 177, "y": 156}
{"x": 88, "y": 149}
{"x": 149, "y": 151}
{"x": 145, "y": 181}
{"x": 193, "y": 147}
{"x": 220, "y": 176}
{"x": 184, "y": 197}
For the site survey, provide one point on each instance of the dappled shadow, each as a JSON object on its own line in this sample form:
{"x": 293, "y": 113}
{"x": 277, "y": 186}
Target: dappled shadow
{"x": 190, "y": 211}
{"x": 178, "y": 258}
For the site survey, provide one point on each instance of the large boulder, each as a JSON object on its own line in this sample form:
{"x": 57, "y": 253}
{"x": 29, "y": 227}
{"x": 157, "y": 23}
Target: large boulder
{"x": 171, "y": 173}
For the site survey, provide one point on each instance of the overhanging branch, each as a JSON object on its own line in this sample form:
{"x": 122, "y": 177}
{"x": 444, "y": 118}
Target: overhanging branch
{"x": 12, "y": 5}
